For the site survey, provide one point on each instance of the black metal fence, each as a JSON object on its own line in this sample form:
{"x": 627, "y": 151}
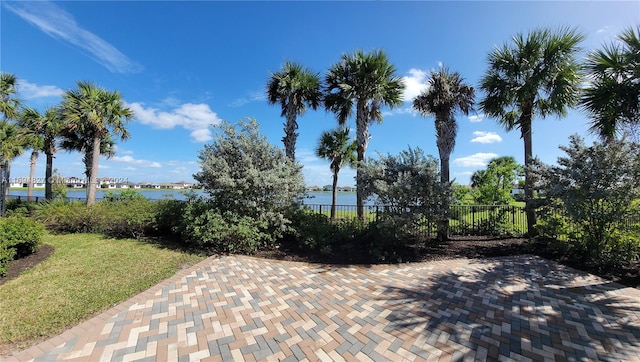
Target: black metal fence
{"x": 478, "y": 220}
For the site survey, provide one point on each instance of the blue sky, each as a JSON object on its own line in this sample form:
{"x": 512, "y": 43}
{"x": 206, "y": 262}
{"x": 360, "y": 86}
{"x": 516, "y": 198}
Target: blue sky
{"x": 182, "y": 66}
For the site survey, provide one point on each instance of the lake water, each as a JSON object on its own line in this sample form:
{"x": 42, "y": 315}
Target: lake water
{"x": 318, "y": 198}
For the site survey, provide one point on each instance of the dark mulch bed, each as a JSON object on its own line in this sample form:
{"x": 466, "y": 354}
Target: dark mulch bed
{"x": 462, "y": 247}
{"x": 22, "y": 264}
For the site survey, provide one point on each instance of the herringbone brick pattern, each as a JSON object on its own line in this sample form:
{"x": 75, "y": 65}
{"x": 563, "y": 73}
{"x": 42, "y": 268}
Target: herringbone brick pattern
{"x": 241, "y": 308}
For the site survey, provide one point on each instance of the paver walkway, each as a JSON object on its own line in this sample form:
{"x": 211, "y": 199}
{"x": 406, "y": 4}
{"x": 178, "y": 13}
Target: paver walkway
{"x": 242, "y": 308}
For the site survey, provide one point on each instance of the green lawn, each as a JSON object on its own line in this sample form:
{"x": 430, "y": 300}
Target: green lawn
{"x": 86, "y": 274}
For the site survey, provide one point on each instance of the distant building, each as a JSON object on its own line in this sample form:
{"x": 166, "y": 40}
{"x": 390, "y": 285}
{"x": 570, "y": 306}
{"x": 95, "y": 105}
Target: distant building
{"x": 75, "y": 182}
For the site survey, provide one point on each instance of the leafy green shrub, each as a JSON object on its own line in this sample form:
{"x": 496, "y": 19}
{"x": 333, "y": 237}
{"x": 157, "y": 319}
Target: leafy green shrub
{"x": 551, "y": 223}
{"x": 206, "y": 227}
{"x": 63, "y": 216}
{"x": 246, "y": 176}
{"x": 6, "y": 257}
{"x": 348, "y": 240}
{"x": 125, "y": 217}
{"x": 19, "y": 237}
{"x": 126, "y": 194}
{"x": 168, "y": 214}
{"x": 122, "y": 218}
{"x": 597, "y": 187}
{"x": 310, "y": 231}
{"x": 21, "y": 207}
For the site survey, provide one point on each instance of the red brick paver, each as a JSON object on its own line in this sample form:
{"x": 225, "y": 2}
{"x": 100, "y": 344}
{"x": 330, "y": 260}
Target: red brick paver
{"x": 242, "y": 308}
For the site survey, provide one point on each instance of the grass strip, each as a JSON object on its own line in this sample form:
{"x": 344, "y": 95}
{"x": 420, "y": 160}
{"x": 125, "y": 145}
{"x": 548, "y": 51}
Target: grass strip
{"x": 86, "y": 274}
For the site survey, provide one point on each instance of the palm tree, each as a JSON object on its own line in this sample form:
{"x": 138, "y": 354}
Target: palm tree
{"x": 447, "y": 94}
{"x": 538, "y": 75}
{"x": 11, "y": 146}
{"x": 366, "y": 82}
{"x": 9, "y": 104}
{"x": 42, "y": 130}
{"x": 27, "y": 123}
{"x": 336, "y": 147}
{"x": 94, "y": 114}
{"x": 296, "y": 88}
{"x": 77, "y": 142}
{"x": 612, "y": 97}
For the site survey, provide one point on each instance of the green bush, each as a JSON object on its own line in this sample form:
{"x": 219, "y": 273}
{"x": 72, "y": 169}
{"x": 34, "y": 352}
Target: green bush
{"x": 349, "y": 240}
{"x": 123, "y": 195}
{"x": 597, "y": 187}
{"x": 551, "y": 224}
{"x": 206, "y": 227}
{"x": 310, "y": 232}
{"x": 123, "y": 217}
{"x": 63, "y": 216}
{"x": 168, "y": 215}
{"x": 19, "y": 237}
{"x": 129, "y": 217}
{"x": 21, "y": 207}
{"x": 6, "y": 257}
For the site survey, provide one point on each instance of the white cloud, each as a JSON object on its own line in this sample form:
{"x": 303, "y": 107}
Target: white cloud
{"x": 476, "y": 118}
{"x": 402, "y": 110}
{"x": 121, "y": 151}
{"x": 130, "y": 160}
{"x": 486, "y": 137}
{"x": 31, "y": 91}
{"x": 253, "y": 97}
{"x": 196, "y": 118}
{"x": 58, "y": 24}
{"x": 476, "y": 160}
{"x": 414, "y": 84}
{"x": 440, "y": 65}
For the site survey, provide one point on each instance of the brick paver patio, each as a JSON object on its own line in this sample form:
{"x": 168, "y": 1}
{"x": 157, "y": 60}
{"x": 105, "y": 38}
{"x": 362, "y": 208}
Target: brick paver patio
{"x": 243, "y": 308}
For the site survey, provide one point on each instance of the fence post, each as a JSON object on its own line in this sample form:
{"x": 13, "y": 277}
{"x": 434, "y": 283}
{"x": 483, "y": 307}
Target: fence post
{"x": 473, "y": 219}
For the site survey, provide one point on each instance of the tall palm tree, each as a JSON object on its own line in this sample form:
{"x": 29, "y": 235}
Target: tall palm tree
{"x": 94, "y": 114}
{"x": 10, "y": 108}
{"x": 43, "y": 131}
{"x": 612, "y": 97}
{"x": 446, "y": 94}
{"x": 365, "y": 82}
{"x": 9, "y": 103}
{"x": 78, "y": 142}
{"x": 295, "y": 88}
{"x": 537, "y": 75}
{"x": 28, "y": 122}
{"x": 11, "y": 146}
{"x": 337, "y": 147}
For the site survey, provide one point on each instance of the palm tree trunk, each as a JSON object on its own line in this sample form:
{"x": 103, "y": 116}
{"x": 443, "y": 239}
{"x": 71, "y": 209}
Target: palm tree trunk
{"x": 290, "y": 134}
{"x": 48, "y": 173}
{"x": 528, "y": 181}
{"x": 4, "y": 174}
{"x": 334, "y": 196}
{"x": 93, "y": 178}
{"x": 362, "y": 139}
{"x": 445, "y": 140}
{"x": 32, "y": 172}
{"x": 7, "y": 180}
{"x": 443, "y": 223}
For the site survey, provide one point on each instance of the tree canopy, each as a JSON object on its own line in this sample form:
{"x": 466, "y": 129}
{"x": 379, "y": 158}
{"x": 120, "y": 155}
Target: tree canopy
{"x": 612, "y": 96}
